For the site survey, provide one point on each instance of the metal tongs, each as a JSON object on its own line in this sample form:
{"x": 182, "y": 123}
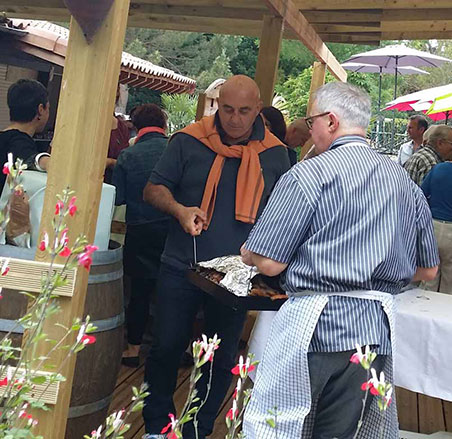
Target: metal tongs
{"x": 195, "y": 255}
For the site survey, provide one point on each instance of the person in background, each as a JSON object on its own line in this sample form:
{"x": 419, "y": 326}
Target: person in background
{"x": 436, "y": 187}
{"x": 215, "y": 177}
{"x": 119, "y": 140}
{"x": 437, "y": 150}
{"x": 146, "y": 226}
{"x": 28, "y": 103}
{"x": 274, "y": 121}
{"x": 348, "y": 229}
{"x": 417, "y": 125}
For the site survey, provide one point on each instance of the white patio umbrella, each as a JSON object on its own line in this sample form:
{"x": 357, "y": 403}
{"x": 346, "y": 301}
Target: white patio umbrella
{"x": 397, "y": 56}
{"x": 414, "y": 101}
{"x": 373, "y": 68}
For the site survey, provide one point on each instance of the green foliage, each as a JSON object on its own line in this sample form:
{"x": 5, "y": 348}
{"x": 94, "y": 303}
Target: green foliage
{"x": 181, "y": 110}
{"x": 139, "y": 96}
{"x": 220, "y": 69}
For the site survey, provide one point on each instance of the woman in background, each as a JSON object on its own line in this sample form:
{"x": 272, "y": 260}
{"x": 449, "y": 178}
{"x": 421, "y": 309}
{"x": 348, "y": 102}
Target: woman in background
{"x": 274, "y": 121}
{"x": 146, "y": 226}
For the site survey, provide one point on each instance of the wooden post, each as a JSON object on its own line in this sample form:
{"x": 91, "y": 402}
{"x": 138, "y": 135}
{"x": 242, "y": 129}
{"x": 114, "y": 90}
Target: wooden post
{"x": 200, "y": 108}
{"x": 317, "y": 80}
{"x": 78, "y": 160}
{"x": 268, "y": 58}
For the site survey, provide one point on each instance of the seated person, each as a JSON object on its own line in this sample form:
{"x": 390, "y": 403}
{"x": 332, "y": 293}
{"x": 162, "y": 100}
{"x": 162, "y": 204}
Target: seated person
{"x": 28, "y": 104}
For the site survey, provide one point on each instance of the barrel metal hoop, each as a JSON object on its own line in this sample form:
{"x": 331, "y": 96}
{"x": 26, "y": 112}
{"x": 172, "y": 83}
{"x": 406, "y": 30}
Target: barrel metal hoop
{"x": 101, "y": 325}
{"x": 87, "y": 409}
{"x": 105, "y": 277}
{"x": 11, "y": 326}
{"x": 108, "y": 324}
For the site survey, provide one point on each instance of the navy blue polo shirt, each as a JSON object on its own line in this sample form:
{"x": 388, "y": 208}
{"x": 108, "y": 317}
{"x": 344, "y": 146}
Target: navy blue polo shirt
{"x": 184, "y": 168}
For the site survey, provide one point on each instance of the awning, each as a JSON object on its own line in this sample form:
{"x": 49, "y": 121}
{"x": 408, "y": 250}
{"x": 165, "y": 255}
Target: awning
{"x": 48, "y": 41}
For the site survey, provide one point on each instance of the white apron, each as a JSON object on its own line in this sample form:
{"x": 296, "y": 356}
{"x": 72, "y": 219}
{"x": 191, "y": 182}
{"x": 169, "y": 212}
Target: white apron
{"x": 283, "y": 375}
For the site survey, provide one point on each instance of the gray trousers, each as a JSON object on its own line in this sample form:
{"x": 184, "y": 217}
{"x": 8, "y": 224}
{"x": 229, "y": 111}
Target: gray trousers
{"x": 337, "y": 398}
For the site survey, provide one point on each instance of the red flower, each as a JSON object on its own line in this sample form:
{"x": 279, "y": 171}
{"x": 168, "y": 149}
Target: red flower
{"x": 5, "y": 169}
{"x": 65, "y": 252}
{"x": 4, "y": 382}
{"x": 369, "y": 385}
{"x": 236, "y": 370}
{"x": 5, "y": 271}
{"x": 88, "y": 339}
{"x": 44, "y": 243}
{"x": 85, "y": 259}
{"x": 230, "y": 414}
{"x": 170, "y": 427}
{"x": 72, "y": 207}
{"x": 59, "y": 205}
{"x": 355, "y": 358}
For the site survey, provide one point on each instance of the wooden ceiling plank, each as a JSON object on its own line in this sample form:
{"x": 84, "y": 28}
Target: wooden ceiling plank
{"x": 337, "y": 28}
{"x": 198, "y": 24}
{"x": 337, "y": 16}
{"x": 414, "y": 26}
{"x": 298, "y": 23}
{"x": 416, "y": 35}
{"x": 35, "y": 13}
{"x": 137, "y": 9}
{"x": 371, "y": 4}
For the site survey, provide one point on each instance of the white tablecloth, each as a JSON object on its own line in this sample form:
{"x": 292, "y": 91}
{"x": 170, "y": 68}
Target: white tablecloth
{"x": 423, "y": 361}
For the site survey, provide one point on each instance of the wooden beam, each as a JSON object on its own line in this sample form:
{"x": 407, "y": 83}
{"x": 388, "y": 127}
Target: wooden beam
{"x": 298, "y": 23}
{"x": 371, "y": 4}
{"x": 79, "y": 153}
{"x": 317, "y": 80}
{"x": 268, "y": 57}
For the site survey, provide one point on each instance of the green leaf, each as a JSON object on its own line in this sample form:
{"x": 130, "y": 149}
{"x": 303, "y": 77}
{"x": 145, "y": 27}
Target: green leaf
{"x": 38, "y": 379}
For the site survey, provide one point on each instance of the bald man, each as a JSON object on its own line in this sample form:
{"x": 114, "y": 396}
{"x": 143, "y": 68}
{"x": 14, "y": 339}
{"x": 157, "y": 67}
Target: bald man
{"x": 214, "y": 179}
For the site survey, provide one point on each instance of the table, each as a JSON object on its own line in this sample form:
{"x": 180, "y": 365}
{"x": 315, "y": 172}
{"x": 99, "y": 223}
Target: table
{"x": 423, "y": 333}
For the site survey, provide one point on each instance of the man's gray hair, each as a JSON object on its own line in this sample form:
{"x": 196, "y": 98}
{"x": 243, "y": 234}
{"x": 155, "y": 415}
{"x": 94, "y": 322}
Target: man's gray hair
{"x": 438, "y": 132}
{"x": 350, "y": 104}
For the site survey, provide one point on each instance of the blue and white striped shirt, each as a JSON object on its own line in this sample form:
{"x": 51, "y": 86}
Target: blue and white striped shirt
{"x": 348, "y": 219}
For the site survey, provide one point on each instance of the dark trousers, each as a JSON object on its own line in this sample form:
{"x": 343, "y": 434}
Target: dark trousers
{"x": 177, "y": 304}
{"x": 141, "y": 292}
{"x": 336, "y": 385}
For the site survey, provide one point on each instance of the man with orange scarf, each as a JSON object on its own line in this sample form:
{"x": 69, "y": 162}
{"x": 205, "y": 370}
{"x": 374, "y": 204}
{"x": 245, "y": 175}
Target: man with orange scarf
{"x": 214, "y": 179}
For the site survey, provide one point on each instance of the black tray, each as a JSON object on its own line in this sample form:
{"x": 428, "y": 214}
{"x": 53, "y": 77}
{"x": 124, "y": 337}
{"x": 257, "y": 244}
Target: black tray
{"x": 230, "y": 299}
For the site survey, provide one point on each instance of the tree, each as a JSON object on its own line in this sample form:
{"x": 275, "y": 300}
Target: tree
{"x": 220, "y": 69}
{"x": 181, "y": 110}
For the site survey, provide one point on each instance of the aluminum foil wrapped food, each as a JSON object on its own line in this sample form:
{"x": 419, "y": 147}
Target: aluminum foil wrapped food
{"x": 238, "y": 275}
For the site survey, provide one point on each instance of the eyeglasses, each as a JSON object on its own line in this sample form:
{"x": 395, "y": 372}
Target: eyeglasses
{"x": 310, "y": 120}
{"x": 447, "y": 141}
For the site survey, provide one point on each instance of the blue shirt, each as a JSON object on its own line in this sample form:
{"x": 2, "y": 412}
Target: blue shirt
{"x": 131, "y": 174}
{"x": 437, "y": 188}
{"x": 348, "y": 219}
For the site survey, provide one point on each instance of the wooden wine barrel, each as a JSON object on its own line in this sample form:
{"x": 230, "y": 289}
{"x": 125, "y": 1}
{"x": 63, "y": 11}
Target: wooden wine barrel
{"x": 97, "y": 366}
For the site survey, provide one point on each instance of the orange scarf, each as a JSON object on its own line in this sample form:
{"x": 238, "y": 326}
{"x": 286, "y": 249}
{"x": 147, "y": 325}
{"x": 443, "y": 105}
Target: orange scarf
{"x": 250, "y": 181}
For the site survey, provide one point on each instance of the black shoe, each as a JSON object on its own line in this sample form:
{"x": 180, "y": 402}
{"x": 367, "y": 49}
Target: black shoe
{"x": 131, "y": 361}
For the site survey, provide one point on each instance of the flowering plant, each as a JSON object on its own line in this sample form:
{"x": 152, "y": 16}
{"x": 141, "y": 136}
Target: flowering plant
{"x": 22, "y": 382}
{"x": 377, "y": 387}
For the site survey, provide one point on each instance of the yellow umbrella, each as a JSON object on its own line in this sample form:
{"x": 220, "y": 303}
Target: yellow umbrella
{"x": 442, "y": 104}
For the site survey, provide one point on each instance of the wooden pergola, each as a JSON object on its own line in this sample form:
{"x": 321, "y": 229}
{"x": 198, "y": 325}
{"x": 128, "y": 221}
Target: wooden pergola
{"x": 91, "y": 74}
